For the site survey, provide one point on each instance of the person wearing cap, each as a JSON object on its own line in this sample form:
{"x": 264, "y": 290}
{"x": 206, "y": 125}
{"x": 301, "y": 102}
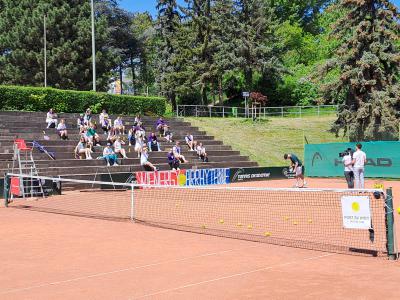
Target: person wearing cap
{"x": 109, "y": 155}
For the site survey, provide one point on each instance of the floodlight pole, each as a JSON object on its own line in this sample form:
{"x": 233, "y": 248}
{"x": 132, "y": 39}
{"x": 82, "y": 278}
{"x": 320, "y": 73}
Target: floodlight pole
{"x": 93, "y": 48}
{"x": 45, "y": 50}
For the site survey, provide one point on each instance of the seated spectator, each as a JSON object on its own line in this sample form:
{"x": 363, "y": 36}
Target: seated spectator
{"x": 87, "y": 118}
{"x": 190, "y": 142}
{"x": 131, "y": 136}
{"x": 82, "y": 149}
{"x": 144, "y": 161}
{"x": 109, "y": 156}
{"x": 172, "y": 161}
{"x": 138, "y": 120}
{"x": 62, "y": 130}
{"x": 201, "y": 152}
{"x": 169, "y": 135}
{"x": 51, "y": 119}
{"x": 105, "y": 122}
{"x": 119, "y": 127}
{"x": 161, "y": 126}
{"x": 92, "y": 135}
{"x": 118, "y": 147}
{"x": 178, "y": 153}
{"x": 139, "y": 142}
{"x": 80, "y": 123}
{"x": 153, "y": 143}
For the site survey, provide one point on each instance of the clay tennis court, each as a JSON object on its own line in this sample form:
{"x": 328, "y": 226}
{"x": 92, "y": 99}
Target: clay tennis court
{"x": 52, "y": 255}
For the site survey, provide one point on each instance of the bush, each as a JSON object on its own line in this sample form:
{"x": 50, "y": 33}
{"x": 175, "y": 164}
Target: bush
{"x": 42, "y": 99}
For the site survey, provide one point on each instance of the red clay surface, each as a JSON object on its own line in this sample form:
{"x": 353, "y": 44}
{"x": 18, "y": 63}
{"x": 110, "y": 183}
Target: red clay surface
{"x": 53, "y": 256}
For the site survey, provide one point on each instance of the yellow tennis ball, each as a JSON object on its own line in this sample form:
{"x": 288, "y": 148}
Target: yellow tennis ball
{"x": 309, "y": 221}
{"x": 204, "y": 226}
{"x": 267, "y": 234}
{"x": 221, "y": 221}
{"x": 295, "y": 223}
{"x": 398, "y": 210}
{"x": 250, "y": 226}
{"x": 286, "y": 218}
{"x": 239, "y": 224}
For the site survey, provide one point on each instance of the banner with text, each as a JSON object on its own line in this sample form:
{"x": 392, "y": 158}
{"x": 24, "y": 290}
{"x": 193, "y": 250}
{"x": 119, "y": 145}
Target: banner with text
{"x": 260, "y": 173}
{"x": 323, "y": 160}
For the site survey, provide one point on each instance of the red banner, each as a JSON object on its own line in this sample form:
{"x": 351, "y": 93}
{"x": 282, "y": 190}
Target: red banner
{"x": 162, "y": 178}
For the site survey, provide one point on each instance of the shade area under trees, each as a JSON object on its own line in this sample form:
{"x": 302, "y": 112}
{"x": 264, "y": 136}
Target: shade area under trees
{"x": 295, "y": 52}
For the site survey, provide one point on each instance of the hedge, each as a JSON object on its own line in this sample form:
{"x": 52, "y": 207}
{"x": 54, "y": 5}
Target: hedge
{"x": 42, "y": 99}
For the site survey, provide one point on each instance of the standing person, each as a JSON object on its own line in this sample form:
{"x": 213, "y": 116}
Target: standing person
{"x": 359, "y": 161}
{"x": 297, "y": 167}
{"x": 348, "y": 169}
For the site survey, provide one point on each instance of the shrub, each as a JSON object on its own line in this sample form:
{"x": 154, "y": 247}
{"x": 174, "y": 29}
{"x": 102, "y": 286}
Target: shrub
{"x": 42, "y": 99}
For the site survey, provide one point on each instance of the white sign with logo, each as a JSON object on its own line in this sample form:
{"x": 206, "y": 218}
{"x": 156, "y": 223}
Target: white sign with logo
{"x": 246, "y": 94}
{"x": 356, "y": 212}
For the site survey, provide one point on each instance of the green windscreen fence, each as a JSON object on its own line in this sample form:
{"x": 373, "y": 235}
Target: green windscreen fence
{"x": 383, "y": 159}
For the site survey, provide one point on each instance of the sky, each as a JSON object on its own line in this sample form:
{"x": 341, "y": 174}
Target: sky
{"x": 142, "y": 5}
{"x": 150, "y": 5}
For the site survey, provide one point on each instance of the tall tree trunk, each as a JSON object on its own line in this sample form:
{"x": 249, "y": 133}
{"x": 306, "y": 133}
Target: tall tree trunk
{"x": 220, "y": 96}
{"x": 203, "y": 94}
{"x": 120, "y": 78}
{"x": 213, "y": 92}
{"x": 172, "y": 99}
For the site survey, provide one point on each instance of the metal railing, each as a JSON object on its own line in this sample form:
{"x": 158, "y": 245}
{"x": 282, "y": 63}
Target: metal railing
{"x": 256, "y": 112}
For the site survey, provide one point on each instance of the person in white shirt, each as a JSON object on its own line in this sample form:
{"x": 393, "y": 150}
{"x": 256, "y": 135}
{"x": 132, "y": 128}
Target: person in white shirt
{"x": 87, "y": 118}
{"x": 51, "y": 119}
{"x": 119, "y": 126}
{"x": 178, "y": 153}
{"x": 139, "y": 142}
{"x": 201, "y": 152}
{"x": 118, "y": 147}
{"x": 109, "y": 156}
{"x": 144, "y": 160}
{"x": 190, "y": 142}
{"x": 348, "y": 169}
{"x": 359, "y": 161}
{"x": 62, "y": 130}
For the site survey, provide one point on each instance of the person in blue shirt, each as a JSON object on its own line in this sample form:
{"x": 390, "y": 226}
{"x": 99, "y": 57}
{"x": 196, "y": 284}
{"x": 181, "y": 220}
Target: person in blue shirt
{"x": 297, "y": 166}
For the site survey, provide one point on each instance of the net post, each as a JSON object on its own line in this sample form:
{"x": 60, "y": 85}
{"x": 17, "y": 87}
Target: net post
{"x": 132, "y": 204}
{"x": 6, "y": 192}
{"x": 390, "y": 225}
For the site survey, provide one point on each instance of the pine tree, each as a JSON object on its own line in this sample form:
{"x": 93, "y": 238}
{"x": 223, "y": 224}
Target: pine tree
{"x": 168, "y": 24}
{"x": 369, "y": 64}
{"x": 68, "y": 43}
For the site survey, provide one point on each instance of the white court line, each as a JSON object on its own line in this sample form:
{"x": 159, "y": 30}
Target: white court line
{"x": 231, "y": 276}
{"x": 122, "y": 270}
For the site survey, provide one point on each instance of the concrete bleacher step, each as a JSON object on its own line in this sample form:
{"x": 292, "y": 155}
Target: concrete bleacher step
{"x": 30, "y": 126}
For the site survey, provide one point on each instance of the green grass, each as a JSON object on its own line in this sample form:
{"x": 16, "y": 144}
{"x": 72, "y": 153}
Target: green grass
{"x": 266, "y": 141}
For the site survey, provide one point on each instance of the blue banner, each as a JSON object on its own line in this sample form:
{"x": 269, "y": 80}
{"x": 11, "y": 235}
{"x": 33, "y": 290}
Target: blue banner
{"x": 201, "y": 177}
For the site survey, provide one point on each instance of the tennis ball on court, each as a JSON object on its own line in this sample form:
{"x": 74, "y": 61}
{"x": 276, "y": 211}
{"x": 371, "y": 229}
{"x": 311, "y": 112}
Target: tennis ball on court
{"x": 398, "y": 210}
{"x": 221, "y": 221}
{"x": 204, "y": 226}
{"x": 295, "y": 223}
{"x": 239, "y": 224}
{"x": 309, "y": 221}
{"x": 250, "y": 226}
{"x": 286, "y": 218}
{"x": 267, "y": 234}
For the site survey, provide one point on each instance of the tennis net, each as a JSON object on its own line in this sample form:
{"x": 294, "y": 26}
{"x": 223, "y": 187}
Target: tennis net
{"x": 344, "y": 221}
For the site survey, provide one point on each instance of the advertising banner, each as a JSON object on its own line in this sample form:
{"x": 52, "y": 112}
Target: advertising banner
{"x": 323, "y": 160}
{"x": 173, "y": 178}
{"x": 356, "y": 212}
{"x": 260, "y": 173}
{"x": 200, "y": 177}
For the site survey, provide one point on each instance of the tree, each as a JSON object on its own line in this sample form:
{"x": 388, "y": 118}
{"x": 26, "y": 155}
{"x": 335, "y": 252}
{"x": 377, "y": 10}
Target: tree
{"x": 368, "y": 61}
{"x": 167, "y": 27}
{"x": 68, "y": 42}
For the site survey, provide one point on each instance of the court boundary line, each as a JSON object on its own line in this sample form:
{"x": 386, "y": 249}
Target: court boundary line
{"x": 101, "y": 274}
{"x": 232, "y": 276}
